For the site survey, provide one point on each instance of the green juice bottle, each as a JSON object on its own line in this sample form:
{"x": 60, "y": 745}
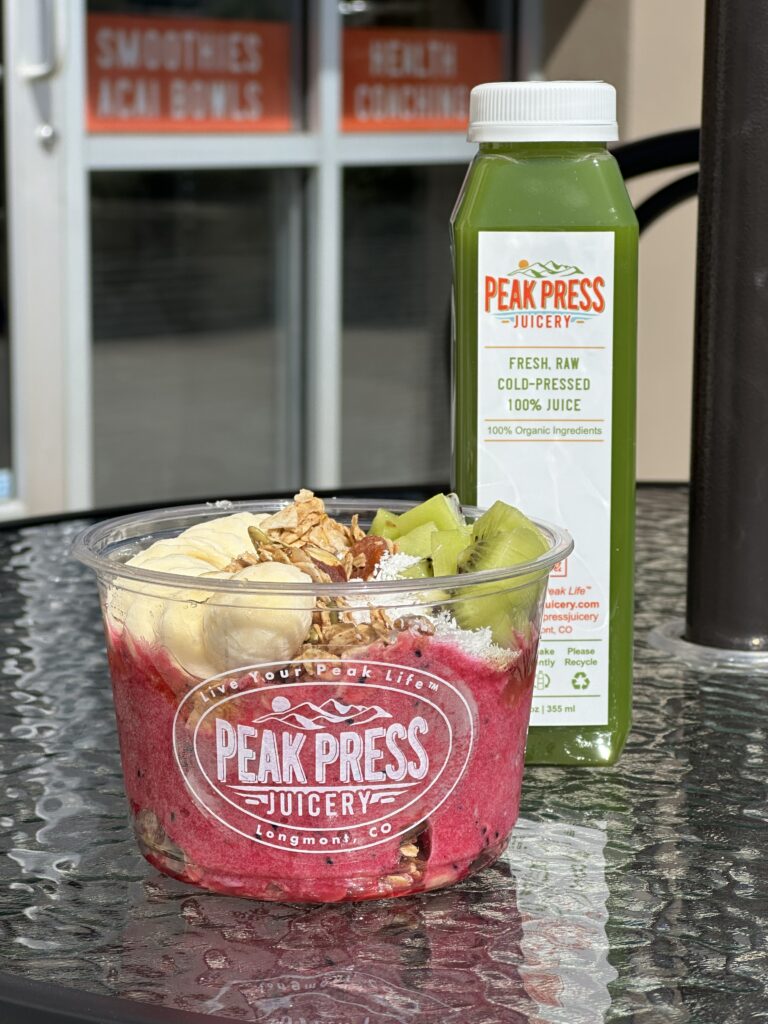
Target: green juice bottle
{"x": 544, "y": 242}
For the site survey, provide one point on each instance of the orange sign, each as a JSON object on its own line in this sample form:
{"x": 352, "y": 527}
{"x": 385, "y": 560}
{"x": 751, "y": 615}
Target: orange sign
{"x": 187, "y": 75}
{"x": 414, "y": 79}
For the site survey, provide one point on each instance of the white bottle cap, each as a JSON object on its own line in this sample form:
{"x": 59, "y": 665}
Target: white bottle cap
{"x": 543, "y": 112}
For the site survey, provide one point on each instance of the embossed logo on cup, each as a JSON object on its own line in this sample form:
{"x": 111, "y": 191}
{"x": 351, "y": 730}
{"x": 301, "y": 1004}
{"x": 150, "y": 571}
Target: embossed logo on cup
{"x": 313, "y": 756}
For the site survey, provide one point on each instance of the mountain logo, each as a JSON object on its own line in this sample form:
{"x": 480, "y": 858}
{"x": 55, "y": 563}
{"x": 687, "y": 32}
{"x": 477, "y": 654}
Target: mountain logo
{"x": 309, "y": 717}
{"x": 545, "y": 268}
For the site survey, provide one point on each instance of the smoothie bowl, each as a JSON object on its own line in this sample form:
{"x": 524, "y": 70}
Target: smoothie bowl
{"x": 322, "y": 701}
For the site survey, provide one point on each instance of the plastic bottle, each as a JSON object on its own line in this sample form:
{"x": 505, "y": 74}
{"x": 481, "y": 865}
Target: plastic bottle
{"x": 544, "y": 242}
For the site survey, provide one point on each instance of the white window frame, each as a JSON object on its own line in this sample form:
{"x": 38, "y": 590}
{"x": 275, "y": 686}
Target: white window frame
{"x": 49, "y": 243}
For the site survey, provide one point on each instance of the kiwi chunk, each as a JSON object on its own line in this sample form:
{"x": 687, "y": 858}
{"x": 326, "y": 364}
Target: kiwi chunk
{"x": 530, "y": 541}
{"x": 419, "y": 570}
{"x": 500, "y": 518}
{"x": 506, "y": 612}
{"x": 501, "y": 550}
{"x": 442, "y": 509}
{"x": 487, "y": 606}
{"x": 505, "y": 607}
{"x": 417, "y": 542}
{"x": 447, "y": 546}
{"x": 385, "y": 524}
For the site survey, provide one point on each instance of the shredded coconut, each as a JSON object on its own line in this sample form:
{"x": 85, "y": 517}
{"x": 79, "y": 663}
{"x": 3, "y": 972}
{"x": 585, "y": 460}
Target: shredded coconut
{"x": 359, "y": 605}
{"x": 477, "y": 643}
{"x": 392, "y": 567}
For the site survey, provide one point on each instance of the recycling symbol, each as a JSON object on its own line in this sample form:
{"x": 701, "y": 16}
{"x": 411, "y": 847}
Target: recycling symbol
{"x": 543, "y": 680}
{"x": 580, "y": 681}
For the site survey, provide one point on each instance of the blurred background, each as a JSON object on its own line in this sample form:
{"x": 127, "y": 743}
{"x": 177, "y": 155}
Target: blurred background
{"x": 224, "y": 262}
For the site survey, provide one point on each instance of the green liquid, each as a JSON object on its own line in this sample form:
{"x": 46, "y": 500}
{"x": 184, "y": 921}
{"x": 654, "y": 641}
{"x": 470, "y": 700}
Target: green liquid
{"x": 558, "y": 187}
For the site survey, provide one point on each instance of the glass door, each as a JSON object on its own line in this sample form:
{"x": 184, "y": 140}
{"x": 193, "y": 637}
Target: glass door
{"x": 229, "y": 241}
{"x": 192, "y": 340}
{"x": 408, "y": 68}
{"x": 157, "y": 239}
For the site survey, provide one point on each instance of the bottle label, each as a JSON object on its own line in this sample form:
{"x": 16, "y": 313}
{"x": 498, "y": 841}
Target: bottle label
{"x": 545, "y": 368}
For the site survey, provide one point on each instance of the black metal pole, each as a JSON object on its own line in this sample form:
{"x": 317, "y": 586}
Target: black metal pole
{"x": 728, "y": 545}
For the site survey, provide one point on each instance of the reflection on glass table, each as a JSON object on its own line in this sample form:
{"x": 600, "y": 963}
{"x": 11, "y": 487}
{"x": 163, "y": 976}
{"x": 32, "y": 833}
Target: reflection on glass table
{"x": 479, "y": 948}
{"x": 635, "y": 894}
{"x": 527, "y": 935}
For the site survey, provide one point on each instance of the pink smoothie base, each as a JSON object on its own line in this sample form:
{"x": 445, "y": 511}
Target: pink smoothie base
{"x": 468, "y": 831}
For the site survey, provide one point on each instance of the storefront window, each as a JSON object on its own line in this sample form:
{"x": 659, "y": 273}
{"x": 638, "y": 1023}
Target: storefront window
{"x": 396, "y": 423}
{"x": 216, "y": 225}
{"x": 190, "y": 350}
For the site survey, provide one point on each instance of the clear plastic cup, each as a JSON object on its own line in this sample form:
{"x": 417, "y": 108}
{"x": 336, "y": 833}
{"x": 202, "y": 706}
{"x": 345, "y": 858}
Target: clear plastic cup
{"x": 384, "y": 759}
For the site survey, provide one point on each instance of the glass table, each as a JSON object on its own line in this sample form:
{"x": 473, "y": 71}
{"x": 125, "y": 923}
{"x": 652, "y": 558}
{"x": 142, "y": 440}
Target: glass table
{"x": 637, "y": 893}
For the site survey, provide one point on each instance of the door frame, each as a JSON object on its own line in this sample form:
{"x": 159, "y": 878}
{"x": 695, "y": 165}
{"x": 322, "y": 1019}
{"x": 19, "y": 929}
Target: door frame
{"x": 48, "y": 254}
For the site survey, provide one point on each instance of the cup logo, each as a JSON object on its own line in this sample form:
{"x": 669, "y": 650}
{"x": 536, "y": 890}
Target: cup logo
{"x": 312, "y": 756}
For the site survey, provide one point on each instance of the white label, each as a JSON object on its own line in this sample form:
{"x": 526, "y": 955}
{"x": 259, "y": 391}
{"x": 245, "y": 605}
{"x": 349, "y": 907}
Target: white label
{"x": 545, "y": 369}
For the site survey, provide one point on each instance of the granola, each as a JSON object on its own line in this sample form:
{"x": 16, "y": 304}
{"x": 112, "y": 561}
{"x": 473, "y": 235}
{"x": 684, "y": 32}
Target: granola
{"x": 304, "y": 535}
{"x": 306, "y": 523}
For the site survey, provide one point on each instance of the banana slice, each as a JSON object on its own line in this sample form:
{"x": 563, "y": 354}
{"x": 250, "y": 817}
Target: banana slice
{"x": 246, "y": 629}
{"x": 227, "y": 532}
{"x": 249, "y": 518}
{"x": 181, "y": 630}
{"x": 233, "y": 539}
{"x": 237, "y": 523}
{"x": 138, "y": 611}
{"x": 208, "y": 551}
{"x": 208, "y": 545}
{"x": 234, "y": 544}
